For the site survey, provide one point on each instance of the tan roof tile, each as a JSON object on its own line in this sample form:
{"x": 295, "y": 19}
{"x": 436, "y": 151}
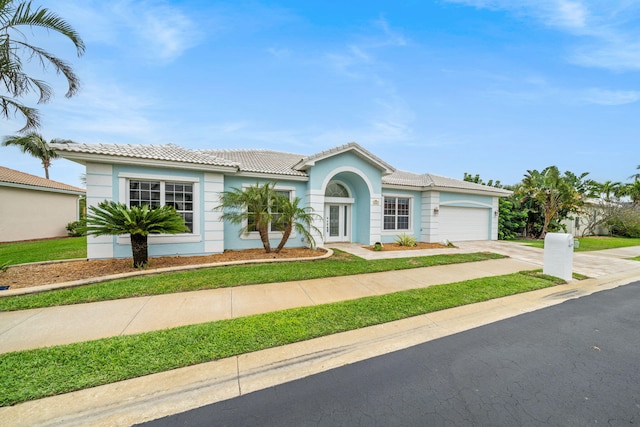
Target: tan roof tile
{"x": 16, "y": 177}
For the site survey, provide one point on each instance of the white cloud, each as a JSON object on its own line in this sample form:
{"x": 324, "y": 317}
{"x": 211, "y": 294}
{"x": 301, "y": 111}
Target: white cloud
{"x": 610, "y": 97}
{"x": 155, "y": 31}
{"x": 570, "y": 14}
{"x": 607, "y": 33}
{"x": 392, "y": 37}
{"x": 279, "y": 53}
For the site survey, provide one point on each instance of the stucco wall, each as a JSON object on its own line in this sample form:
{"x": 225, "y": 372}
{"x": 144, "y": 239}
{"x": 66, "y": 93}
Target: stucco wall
{"x": 31, "y": 214}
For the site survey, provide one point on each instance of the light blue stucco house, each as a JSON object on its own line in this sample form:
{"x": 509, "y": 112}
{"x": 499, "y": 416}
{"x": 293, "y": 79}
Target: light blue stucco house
{"x": 359, "y": 197}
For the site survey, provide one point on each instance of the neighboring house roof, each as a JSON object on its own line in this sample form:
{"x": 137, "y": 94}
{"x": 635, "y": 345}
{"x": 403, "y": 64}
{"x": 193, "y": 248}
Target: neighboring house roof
{"x": 163, "y": 153}
{"x": 14, "y": 178}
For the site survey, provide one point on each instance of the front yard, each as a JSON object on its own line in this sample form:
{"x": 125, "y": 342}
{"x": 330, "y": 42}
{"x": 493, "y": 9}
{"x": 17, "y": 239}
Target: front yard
{"x": 34, "y": 374}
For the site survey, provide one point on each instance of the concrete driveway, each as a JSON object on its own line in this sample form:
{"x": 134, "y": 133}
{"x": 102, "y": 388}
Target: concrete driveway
{"x": 592, "y": 264}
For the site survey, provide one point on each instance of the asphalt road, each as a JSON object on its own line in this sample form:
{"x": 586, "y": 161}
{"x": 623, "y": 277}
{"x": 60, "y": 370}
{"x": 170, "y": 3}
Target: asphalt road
{"x": 574, "y": 364}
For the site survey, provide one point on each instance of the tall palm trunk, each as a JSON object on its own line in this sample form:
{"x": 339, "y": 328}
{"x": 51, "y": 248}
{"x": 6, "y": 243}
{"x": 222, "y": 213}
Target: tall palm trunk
{"x": 139, "y": 247}
{"x": 46, "y": 165}
{"x": 285, "y": 236}
{"x": 263, "y": 230}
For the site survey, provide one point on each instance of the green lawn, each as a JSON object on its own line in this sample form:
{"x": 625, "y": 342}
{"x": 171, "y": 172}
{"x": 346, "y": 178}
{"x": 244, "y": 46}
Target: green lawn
{"x": 43, "y": 250}
{"x": 591, "y": 243}
{"x": 340, "y": 264}
{"x": 33, "y": 374}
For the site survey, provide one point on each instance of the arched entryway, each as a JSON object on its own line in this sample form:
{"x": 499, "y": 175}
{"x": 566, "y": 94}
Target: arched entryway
{"x": 338, "y": 212}
{"x": 346, "y": 195}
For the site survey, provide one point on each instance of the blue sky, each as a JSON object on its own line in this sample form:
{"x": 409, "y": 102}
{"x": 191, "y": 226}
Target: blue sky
{"x": 494, "y": 87}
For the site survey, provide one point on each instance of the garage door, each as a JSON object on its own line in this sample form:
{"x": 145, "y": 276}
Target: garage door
{"x": 459, "y": 224}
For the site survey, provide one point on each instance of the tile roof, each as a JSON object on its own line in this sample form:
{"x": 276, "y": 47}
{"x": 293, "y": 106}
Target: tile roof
{"x": 268, "y": 162}
{"x": 346, "y": 147}
{"x": 16, "y": 177}
{"x": 168, "y": 152}
{"x": 431, "y": 180}
{"x": 260, "y": 161}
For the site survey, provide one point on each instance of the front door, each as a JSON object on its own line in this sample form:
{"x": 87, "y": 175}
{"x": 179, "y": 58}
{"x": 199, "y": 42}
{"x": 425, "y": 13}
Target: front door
{"x": 337, "y": 217}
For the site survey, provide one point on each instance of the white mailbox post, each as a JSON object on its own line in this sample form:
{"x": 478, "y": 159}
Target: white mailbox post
{"x": 558, "y": 255}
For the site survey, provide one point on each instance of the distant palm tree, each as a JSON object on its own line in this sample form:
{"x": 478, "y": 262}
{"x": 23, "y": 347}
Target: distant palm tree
{"x": 609, "y": 189}
{"x": 632, "y": 190}
{"x": 34, "y": 144}
{"x": 292, "y": 216}
{"x": 636, "y": 176}
{"x": 110, "y": 218}
{"x": 15, "y": 17}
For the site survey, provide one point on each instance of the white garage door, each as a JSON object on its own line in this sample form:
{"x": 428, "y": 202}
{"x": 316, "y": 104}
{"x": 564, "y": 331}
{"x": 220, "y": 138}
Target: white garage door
{"x": 459, "y": 224}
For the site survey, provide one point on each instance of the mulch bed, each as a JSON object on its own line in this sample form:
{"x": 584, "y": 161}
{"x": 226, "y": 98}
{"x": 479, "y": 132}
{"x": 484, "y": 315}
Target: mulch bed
{"x": 22, "y": 276}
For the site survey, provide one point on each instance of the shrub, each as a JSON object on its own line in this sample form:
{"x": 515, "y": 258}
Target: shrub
{"x": 625, "y": 223}
{"x": 77, "y": 228}
{"x": 406, "y": 240}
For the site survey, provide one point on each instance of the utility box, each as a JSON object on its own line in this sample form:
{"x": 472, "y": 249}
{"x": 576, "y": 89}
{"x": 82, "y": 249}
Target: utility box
{"x": 558, "y": 255}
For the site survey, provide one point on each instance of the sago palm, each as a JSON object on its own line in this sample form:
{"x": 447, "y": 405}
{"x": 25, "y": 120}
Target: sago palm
{"x": 17, "y": 20}
{"x": 112, "y": 218}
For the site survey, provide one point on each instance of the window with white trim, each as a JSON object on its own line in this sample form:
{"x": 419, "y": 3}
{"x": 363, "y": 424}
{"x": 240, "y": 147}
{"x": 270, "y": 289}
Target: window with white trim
{"x": 396, "y": 213}
{"x": 161, "y": 193}
{"x": 251, "y": 218}
{"x": 275, "y": 215}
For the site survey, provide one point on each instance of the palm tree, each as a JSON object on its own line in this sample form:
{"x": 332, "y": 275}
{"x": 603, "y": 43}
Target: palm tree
{"x": 34, "y": 144}
{"x": 553, "y": 193}
{"x": 291, "y": 216}
{"x": 632, "y": 190}
{"x": 636, "y": 176}
{"x": 609, "y": 190}
{"x": 110, "y": 218}
{"x": 15, "y": 17}
{"x": 251, "y": 208}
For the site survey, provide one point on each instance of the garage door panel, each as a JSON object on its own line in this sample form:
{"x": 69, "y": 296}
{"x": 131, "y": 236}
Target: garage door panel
{"x": 460, "y": 224}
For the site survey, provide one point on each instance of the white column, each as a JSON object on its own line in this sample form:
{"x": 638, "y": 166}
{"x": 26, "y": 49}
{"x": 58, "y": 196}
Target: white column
{"x": 429, "y": 222}
{"x": 375, "y": 219}
{"x": 99, "y": 188}
{"x": 213, "y": 224}
{"x": 315, "y": 200}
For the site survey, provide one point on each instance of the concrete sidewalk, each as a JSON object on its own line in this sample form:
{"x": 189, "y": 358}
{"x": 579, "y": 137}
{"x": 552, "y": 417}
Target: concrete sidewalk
{"x": 157, "y": 395}
{"x": 43, "y": 327}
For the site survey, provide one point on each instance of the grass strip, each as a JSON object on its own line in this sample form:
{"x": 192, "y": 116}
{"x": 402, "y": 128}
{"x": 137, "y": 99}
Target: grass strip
{"x": 341, "y": 264}
{"x": 43, "y": 250}
{"x": 33, "y": 374}
{"x": 587, "y": 244}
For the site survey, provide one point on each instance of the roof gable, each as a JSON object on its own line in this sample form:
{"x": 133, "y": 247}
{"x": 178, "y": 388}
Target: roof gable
{"x": 310, "y": 161}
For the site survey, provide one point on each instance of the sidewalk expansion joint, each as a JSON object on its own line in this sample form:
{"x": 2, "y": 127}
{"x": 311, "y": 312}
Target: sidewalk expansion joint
{"x": 135, "y": 316}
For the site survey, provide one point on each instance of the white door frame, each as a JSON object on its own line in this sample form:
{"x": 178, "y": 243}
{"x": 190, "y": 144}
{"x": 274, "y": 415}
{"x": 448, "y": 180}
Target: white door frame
{"x": 337, "y": 222}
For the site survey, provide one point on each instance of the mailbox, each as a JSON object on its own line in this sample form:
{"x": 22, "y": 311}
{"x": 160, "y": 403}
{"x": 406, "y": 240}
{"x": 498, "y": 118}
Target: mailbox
{"x": 558, "y": 255}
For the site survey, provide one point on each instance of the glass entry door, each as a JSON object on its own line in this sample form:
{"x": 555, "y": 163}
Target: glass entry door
{"x": 337, "y": 217}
